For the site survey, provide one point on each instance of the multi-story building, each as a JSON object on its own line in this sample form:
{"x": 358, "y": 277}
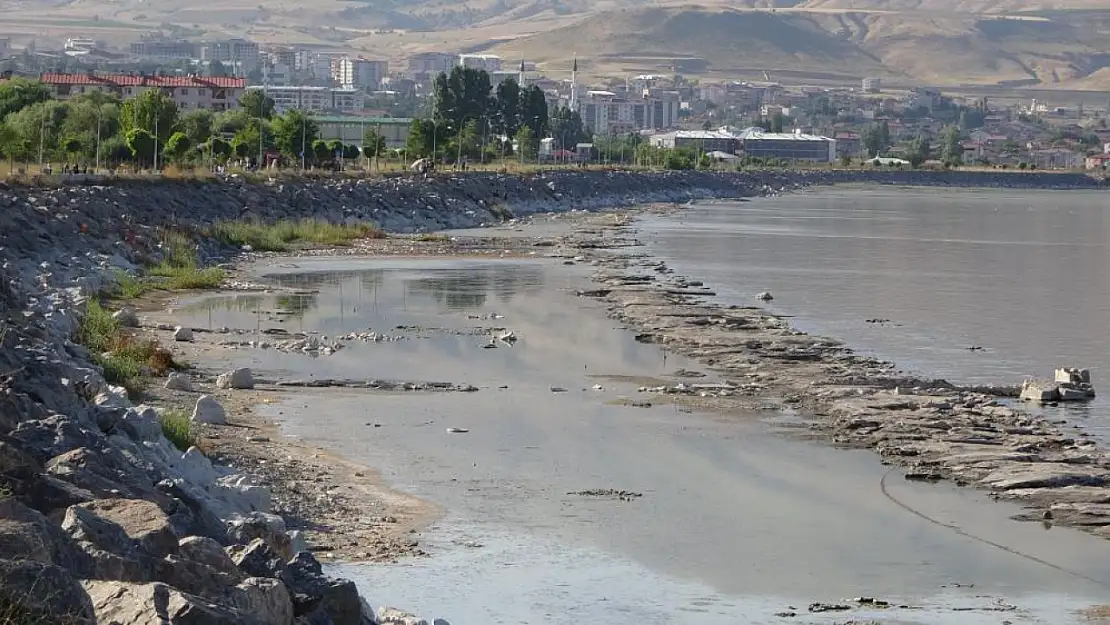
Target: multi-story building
{"x": 701, "y": 140}
{"x": 351, "y": 129}
{"x": 426, "y": 65}
{"x": 607, "y": 113}
{"x": 872, "y": 85}
{"x": 359, "y": 73}
{"x": 280, "y": 55}
{"x": 277, "y": 74}
{"x": 314, "y": 99}
{"x": 189, "y": 92}
{"x": 489, "y": 62}
{"x": 755, "y": 142}
{"x": 238, "y": 52}
{"x": 159, "y": 49}
{"x": 5, "y": 47}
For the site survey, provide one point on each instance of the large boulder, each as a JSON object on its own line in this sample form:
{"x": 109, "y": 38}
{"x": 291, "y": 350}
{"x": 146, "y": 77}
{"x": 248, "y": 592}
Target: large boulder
{"x": 142, "y": 521}
{"x": 269, "y": 528}
{"x": 179, "y": 382}
{"x": 256, "y": 559}
{"x": 238, "y": 378}
{"x": 209, "y": 411}
{"x": 121, "y": 603}
{"x": 244, "y": 493}
{"x": 183, "y": 334}
{"x": 207, "y": 551}
{"x": 35, "y": 592}
{"x": 26, "y": 533}
{"x": 196, "y": 578}
{"x": 266, "y": 599}
{"x": 126, "y": 317}
{"x": 393, "y": 616}
{"x": 313, "y": 592}
{"x": 114, "y": 555}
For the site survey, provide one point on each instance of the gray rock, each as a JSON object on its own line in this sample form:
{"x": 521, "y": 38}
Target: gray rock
{"x": 268, "y": 528}
{"x": 114, "y": 555}
{"x": 209, "y": 411}
{"x": 265, "y": 599}
{"x": 183, "y": 335}
{"x": 26, "y": 533}
{"x": 143, "y": 522}
{"x": 179, "y": 382}
{"x": 36, "y": 592}
{"x": 239, "y": 378}
{"x": 393, "y": 616}
{"x": 209, "y": 552}
{"x": 121, "y": 603}
{"x": 126, "y": 317}
{"x": 257, "y": 559}
{"x": 313, "y": 592}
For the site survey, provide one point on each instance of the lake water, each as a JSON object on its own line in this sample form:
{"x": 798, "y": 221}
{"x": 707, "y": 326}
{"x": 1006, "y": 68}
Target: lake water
{"x": 736, "y": 523}
{"x": 1023, "y": 274}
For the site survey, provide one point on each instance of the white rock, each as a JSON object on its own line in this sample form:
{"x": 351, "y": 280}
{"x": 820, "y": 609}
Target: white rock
{"x": 209, "y": 411}
{"x": 144, "y": 420}
{"x": 195, "y": 467}
{"x": 243, "y": 493}
{"x": 182, "y": 334}
{"x": 1034, "y": 390}
{"x": 393, "y": 616}
{"x": 239, "y": 378}
{"x": 126, "y": 317}
{"x": 113, "y": 397}
{"x": 179, "y": 382}
{"x": 298, "y": 543}
{"x": 765, "y": 296}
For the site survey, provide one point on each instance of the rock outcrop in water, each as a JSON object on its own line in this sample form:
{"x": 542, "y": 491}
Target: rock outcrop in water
{"x": 101, "y": 518}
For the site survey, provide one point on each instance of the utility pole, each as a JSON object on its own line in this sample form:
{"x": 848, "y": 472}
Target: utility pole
{"x": 261, "y": 110}
{"x": 42, "y": 135}
{"x": 304, "y": 131}
{"x": 156, "y": 116}
{"x": 99, "y": 111}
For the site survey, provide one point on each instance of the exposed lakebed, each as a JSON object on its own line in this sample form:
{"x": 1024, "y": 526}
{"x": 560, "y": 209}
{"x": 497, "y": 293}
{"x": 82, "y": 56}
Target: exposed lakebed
{"x": 733, "y": 522}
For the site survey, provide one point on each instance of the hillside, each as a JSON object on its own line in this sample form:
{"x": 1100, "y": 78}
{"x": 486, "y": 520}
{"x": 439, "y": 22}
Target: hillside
{"x": 1062, "y": 44}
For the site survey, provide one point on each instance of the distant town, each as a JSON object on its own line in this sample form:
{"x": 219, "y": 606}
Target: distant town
{"x": 351, "y": 100}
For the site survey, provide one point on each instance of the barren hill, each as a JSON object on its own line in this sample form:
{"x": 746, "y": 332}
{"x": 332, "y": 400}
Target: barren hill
{"x": 1042, "y": 43}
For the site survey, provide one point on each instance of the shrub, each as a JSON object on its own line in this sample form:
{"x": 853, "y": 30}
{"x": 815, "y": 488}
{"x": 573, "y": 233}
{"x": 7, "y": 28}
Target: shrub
{"x": 177, "y": 427}
{"x": 277, "y": 237}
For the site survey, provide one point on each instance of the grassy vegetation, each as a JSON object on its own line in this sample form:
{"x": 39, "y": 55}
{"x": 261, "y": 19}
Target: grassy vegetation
{"x": 125, "y": 359}
{"x": 177, "y": 427}
{"x": 282, "y": 235}
{"x": 431, "y": 237}
{"x": 179, "y": 270}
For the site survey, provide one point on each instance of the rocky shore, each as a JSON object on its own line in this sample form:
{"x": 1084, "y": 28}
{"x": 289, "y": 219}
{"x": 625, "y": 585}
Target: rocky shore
{"x": 103, "y": 520}
{"x": 930, "y": 429}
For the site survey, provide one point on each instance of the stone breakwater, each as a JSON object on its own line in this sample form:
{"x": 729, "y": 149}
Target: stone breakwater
{"x": 103, "y": 520}
{"x": 930, "y": 429}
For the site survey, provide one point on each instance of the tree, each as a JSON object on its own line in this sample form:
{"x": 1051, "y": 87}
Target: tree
{"x": 241, "y": 148}
{"x": 533, "y": 110}
{"x": 114, "y": 150}
{"x": 9, "y": 143}
{"x": 219, "y": 149}
{"x": 951, "y": 149}
{"x": 72, "y": 147}
{"x": 373, "y": 145}
{"x": 351, "y": 152}
{"x": 567, "y": 129}
{"x": 197, "y": 125}
{"x": 230, "y": 122}
{"x": 335, "y": 147}
{"x": 256, "y": 103}
{"x": 876, "y": 139}
{"x": 17, "y": 94}
{"x": 462, "y": 96}
{"x": 294, "y": 133}
{"x": 421, "y": 141}
{"x": 506, "y": 107}
{"x": 141, "y": 144}
{"x": 150, "y": 110}
{"x": 178, "y": 147}
{"x": 39, "y": 127}
{"x": 320, "y": 150}
{"x": 216, "y": 68}
{"x": 526, "y": 142}
{"x": 918, "y": 152}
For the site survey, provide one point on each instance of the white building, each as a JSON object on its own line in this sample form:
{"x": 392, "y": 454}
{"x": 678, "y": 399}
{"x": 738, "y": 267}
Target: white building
{"x": 425, "y": 65}
{"x": 757, "y": 143}
{"x": 489, "y": 62}
{"x": 277, "y": 74}
{"x": 359, "y": 73}
{"x": 607, "y": 113}
{"x": 314, "y": 99}
{"x": 872, "y": 85}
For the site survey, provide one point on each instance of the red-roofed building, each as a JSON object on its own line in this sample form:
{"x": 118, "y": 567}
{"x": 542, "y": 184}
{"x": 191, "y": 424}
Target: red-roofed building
{"x": 216, "y": 93}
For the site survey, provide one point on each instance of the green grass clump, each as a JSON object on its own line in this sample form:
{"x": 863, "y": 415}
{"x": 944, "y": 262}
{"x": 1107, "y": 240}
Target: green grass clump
{"x": 129, "y": 286}
{"x": 123, "y": 358}
{"x": 177, "y": 427}
{"x": 278, "y": 237}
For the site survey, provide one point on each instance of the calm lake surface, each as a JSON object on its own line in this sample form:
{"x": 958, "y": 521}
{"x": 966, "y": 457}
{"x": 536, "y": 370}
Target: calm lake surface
{"x": 1024, "y": 275}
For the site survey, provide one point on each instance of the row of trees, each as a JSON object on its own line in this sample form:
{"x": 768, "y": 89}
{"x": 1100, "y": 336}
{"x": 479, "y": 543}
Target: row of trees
{"x": 876, "y": 141}
{"x": 149, "y": 129}
{"x": 472, "y": 120}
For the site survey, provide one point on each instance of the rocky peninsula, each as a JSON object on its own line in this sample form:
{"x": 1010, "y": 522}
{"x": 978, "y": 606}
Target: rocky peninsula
{"x": 103, "y": 519}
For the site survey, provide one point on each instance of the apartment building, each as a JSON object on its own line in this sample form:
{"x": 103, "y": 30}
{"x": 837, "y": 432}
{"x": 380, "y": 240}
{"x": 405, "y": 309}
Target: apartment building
{"x": 423, "y": 66}
{"x": 609, "y": 113}
{"x": 164, "y": 49}
{"x": 239, "y": 52}
{"x": 314, "y": 99}
{"x": 189, "y": 92}
{"x": 359, "y": 73}
{"x": 489, "y": 62}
